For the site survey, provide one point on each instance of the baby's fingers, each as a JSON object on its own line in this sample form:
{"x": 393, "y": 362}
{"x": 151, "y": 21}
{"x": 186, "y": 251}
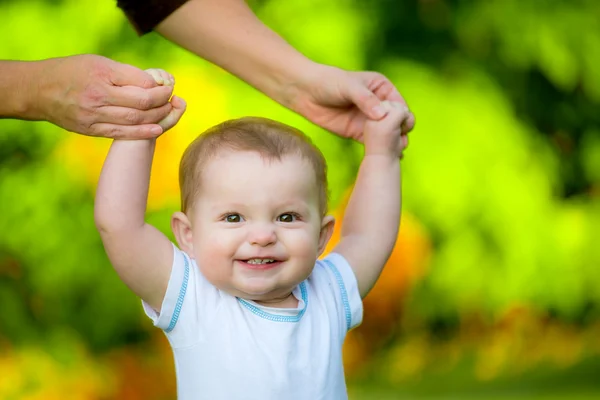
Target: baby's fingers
{"x": 161, "y": 77}
{"x": 396, "y": 113}
{"x": 403, "y": 143}
{"x": 174, "y": 116}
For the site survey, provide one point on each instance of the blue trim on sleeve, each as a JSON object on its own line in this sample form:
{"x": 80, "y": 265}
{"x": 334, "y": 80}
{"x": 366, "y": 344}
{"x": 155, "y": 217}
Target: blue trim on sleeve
{"x": 178, "y": 305}
{"x": 345, "y": 302}
{"x": 275, "y": 317}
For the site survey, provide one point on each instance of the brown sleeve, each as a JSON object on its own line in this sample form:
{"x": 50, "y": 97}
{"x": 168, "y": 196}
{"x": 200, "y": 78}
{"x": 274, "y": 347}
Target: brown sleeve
{"x": 144, "y": 15}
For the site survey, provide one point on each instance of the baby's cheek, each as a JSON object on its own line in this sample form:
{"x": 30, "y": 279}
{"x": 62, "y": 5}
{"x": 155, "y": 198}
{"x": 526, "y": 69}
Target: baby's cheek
{"x": 214, "y": 253}
{"x": 211, "y": 251}
{"x": 302, "y": 243}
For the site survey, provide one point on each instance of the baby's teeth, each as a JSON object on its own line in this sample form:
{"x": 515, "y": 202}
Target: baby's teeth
{"x": 259, "y": 261}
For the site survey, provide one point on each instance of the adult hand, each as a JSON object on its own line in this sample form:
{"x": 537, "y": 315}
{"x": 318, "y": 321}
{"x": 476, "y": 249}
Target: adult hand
{"x": 342, "y": 101}
{"x": 96, "y": 96}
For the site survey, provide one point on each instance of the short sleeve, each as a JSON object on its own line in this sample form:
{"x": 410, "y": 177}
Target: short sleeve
{"x": 144, "y": 15}
{"x": 344, "y": 277}
{"x": 172, "y": 304}
{"x": 187, "y": 303}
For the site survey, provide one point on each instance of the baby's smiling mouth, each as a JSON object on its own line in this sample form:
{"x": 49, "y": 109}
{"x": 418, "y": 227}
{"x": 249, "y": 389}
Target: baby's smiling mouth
{"x": 260, "y": 263}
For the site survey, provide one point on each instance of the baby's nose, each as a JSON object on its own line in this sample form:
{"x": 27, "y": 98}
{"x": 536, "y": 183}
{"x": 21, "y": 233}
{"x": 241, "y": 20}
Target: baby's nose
{"x": 262, "y": 234}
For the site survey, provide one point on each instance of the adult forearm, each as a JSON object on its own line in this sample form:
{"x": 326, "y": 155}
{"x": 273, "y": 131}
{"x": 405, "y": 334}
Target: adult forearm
{"x": 122, "y": 191}
{"x": 372, "y": 215}
{"x": 228, "y": 34}
{"x": 18, "y": 86}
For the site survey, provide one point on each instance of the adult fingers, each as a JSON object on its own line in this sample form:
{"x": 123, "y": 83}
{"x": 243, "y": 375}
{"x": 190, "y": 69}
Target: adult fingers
{"x": 368, "y": 89}
{"x": 366, "y": 101}
{"x": 139, "y": 98}
{"x": 131, "y": 132}
{"x": 128, "y": 75}
{"x": 383, "y": 88}
{"x": 131, "y": 116}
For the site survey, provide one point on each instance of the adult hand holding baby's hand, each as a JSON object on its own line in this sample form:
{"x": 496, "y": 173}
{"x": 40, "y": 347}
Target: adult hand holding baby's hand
{"x": 96, "y": 96}
{"x": 388, "y": 136}
{"x": 163, "y": 78}
{"x": 343, "y": 101}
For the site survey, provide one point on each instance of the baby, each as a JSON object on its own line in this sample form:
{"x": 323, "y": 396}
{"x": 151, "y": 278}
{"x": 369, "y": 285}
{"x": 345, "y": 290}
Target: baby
{"x": 249, "y": 310}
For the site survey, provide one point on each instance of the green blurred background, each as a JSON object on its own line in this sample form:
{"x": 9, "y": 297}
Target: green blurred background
{"x": 493, "y": 291}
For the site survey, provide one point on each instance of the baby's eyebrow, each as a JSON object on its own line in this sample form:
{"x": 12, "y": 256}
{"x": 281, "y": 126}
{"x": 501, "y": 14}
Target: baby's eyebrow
{"x": 221, "y": 207}
{"x": 300, "y": 207}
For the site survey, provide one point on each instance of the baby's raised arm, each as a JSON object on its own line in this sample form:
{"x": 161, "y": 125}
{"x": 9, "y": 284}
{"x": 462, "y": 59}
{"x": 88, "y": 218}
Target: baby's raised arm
{"x": 141, "y": 254}
{"x": 372, "y": 217}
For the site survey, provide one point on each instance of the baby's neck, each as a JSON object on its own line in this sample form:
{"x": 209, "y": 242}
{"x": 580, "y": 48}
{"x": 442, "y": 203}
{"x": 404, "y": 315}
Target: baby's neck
{"x": 282, "y": 302}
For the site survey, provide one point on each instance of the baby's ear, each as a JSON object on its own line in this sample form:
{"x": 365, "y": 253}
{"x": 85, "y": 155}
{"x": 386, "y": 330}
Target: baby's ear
{"x": 327, "y": 225}
{"x": 182, "y": 229}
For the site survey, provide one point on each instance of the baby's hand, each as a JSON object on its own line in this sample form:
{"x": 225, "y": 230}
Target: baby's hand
{"x": 161, "y": 77}
{"x": 164, "y": 78}
{"x": 385, "y": 137}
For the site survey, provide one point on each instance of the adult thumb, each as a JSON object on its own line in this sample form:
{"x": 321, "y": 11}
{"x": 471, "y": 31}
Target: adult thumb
{"x": 128, "y": 75}
{"x": 367, "y": 101}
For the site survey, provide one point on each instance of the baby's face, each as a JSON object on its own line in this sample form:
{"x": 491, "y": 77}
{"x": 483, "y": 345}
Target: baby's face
{"x": 256, "y": 224}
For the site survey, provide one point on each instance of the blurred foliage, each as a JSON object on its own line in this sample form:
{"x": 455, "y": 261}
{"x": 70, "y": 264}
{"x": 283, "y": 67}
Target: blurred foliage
{"x": 497, "y": 268}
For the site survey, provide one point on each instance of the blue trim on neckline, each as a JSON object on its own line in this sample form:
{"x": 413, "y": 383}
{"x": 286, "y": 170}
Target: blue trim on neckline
{"x": 279, "y": 318}
{"x": 340, "y": 282}
{"x": 179, "y": 304}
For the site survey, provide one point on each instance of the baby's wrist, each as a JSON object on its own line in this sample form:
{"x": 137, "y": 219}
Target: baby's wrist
{"x": 391, "y": 151}
{"x": 383, "y": 155}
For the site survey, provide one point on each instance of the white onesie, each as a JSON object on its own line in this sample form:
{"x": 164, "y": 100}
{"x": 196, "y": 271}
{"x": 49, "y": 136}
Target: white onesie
{"x": 229, "y": 348}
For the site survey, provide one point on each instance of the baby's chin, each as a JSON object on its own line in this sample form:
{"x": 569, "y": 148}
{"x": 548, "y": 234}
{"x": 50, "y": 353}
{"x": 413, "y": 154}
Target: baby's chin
{"x": 258, "y": 287}
{"x": 256, "y": 291}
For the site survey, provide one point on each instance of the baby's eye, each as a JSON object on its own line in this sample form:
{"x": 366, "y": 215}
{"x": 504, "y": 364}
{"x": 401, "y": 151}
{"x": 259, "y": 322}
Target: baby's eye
{"x": 287, "y": 217}
{"x": 233, "y": 218}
